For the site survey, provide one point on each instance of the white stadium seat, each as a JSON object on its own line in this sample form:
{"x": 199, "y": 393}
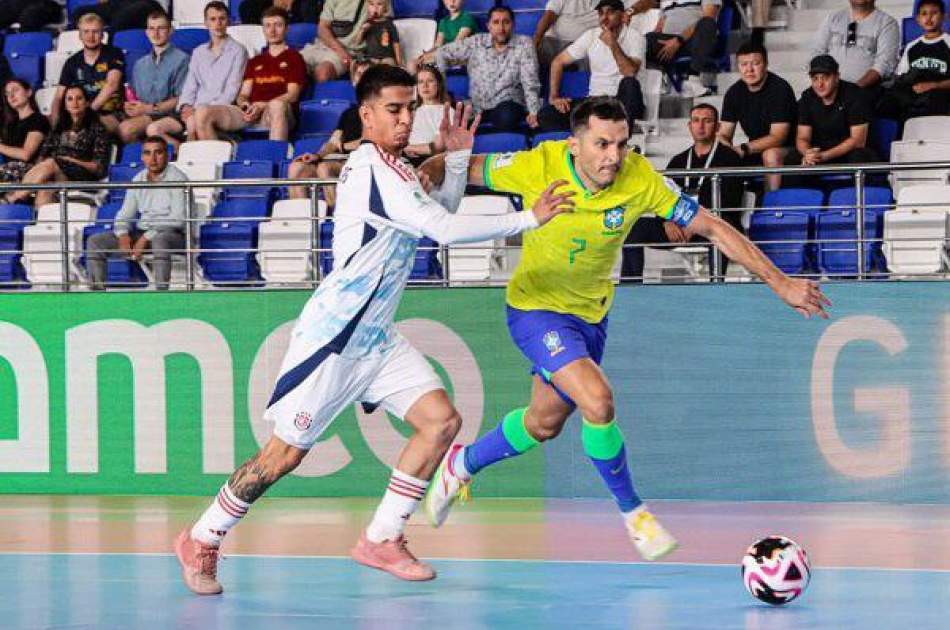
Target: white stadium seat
{"x": 54, "y": 62}
{"x": 44, "y": 99}
{"x": 416, "y": 35}
{"x": 931, "y": 128}
{"x": 216, "y": 151}
{"x": 906, "y": 151}
{"x": 285, "y": 241}
{"x": 189, "y": 13}
{"x": 42, "y": 257}
{"x": 251, "y": 36}
{"x": 474, "y": 261}
{"x": 915, "y": 233}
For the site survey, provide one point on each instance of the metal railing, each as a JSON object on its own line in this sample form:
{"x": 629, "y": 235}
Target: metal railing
{"x": 859, "y": 173}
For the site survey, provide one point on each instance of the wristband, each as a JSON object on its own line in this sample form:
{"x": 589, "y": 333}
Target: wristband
{"x": 745, "y": 148}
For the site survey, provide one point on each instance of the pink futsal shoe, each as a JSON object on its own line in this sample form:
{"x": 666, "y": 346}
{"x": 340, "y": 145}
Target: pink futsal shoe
{"x": 199, "y": 564}
{"x": 446, "y": 488}
{"x": 392, "y": 556}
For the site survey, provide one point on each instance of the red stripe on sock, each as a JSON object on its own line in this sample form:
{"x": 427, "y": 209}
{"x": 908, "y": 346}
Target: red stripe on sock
{"x": 407, "y": 486}
{"x": 230, "y": 507}
{"x": 417, "y": 497}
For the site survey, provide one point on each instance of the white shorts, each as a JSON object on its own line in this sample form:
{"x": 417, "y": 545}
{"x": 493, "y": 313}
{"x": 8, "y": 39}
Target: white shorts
{"x": 394, "y": 380}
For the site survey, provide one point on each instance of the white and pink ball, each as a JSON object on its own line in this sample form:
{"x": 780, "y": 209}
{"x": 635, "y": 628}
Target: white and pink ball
{"x": 775, "y": 570}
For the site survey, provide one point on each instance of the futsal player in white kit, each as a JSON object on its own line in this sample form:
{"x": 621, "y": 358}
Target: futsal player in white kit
{"x": 344, "y": 348}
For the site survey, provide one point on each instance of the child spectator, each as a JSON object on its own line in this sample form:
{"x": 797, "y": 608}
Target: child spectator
{"x": 379, "y": 35}
{"x": 455, "y": 26}
{"x": 431, "y": 98}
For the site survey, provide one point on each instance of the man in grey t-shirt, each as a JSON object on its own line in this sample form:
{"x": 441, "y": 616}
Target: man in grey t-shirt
{"x": 865, "y": 42}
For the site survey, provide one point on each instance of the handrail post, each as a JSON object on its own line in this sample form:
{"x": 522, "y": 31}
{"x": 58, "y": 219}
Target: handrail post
{"x": 716, "y": 209}
{"x": 859, "y": 204}
{"x": 315, "y": 234}
{"x": 189, "y": 238}
{"x": 64, "y": 237}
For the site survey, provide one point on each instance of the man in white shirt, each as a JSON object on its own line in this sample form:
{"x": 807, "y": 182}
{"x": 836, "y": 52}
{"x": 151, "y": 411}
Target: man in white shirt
{"x": 561, "y": 24}
{"x": 615, "y": 52}
{"x": 345, "y": 347}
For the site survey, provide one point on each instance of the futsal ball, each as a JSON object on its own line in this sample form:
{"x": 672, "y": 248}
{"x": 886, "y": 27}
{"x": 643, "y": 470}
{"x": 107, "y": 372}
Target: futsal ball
{"x": 775, "y": 570}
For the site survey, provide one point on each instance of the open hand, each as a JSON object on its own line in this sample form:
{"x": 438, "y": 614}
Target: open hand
{"x": 456, "y": 134}
{"x": 551, "y": 204}
{"x": 668, "y": 50}
{"x": 804, "y": 296}
{"x": 561, "y": 104}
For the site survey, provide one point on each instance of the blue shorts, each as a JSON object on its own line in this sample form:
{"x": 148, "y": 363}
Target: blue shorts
{"x": 552, "y": 340}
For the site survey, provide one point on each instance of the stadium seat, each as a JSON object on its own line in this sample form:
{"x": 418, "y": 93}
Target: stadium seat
{"x": 326, "y": 247}
{"x": 234, "y": 10}
{"x": 474, "y": 261}
{"x": 249, "y": 211}
{"x": 415, "y": 8}
{"x": 69, "y": 42}
{"x": 904, "y": 151}
{"x": 538, "y": 138}
{"x": 416, "y": 35}
{"x": 499, "y": 143}
{"x": 30, "y": 68}
{"x": 299, "y": 34}
{"x": 575, "y": 84}
{"x": 13, "y": 219}
{"x": 931, "y": 128}
{"x": 882, "y": 135}
{"x": 340, "y": 89}
{"x": 53, "y": 63}
{"x": 132, "y": 153}
{"x": 121, "y": 173}
{"x": 251, "y": 36}
{"x": 272, "y": 150}
{"x": 27, "y": 43}
{"x": 915, "y": 233}
{"x": 526, "y": 22}
{"x": 221, "y": 259}
{"x": 190, "y": 38}
{"x": 839, "y": 223}
{"x": 525, "y": 5}
{"x": 285, "y": 241}
{"x": 191, "y": 13}
{"x": 457, "y": 85}
{"x": 72, "y": 5}
{"x": 200, "y": 171}
{"x": 42, "y": 257}
{"x": 791, "y": 201}
{"x": 479, "y": 6}
{"x": 44, "y": 99}
{"x": 217, "y": 151}
{"x": 777, "y": 225}
{"x": 249, "y": 169}
{"x": 426, "y": 265}
{"x": 310, "y": 144}
{"x": 120, "y": 272}
{"x": 320, "y": 116}
{"x": 132, "y": 39}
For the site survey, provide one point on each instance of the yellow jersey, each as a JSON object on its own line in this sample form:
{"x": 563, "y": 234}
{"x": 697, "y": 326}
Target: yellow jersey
{"x": 566, "y": 264}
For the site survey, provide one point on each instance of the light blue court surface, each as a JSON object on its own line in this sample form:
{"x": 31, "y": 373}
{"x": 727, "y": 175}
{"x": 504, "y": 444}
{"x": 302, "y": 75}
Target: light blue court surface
{"x": 144, "y": 591}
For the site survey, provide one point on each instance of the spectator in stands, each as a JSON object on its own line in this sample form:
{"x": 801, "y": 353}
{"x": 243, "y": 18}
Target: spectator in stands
{"x": 431, "y": 99}
{"x": 456, "y": 25}
{"x": 214, "y": 77}
{"x": 98, "y": 69}
{"x": 270, "y": 92}
{"x": 833, "y": 119}
{"x": 685, "y": 28}
{"x": 759, "y": 17}
{"x": 340, "y": 25}
{"x": 307, "y": 11}
{"x": 615, "y": 52}
{"x": 562, "y": 23}
{"x": 150, "y": 218}
{"x": 503, "y": 72}
{"x": 24, "y": 129}
{"x": 120, "y": 16}
{"x": 378, "y": 35}
{"x": 922, "y": 87}
{"x": 763, "y": 104}
{"x": 31, "y": 15}
{"x": 706, "y": 152}
{"x": 76, "y": 150}
{"x": 157, "y": 80}
{"x": 865, "y": 42}
{"x": 345, "y": 138}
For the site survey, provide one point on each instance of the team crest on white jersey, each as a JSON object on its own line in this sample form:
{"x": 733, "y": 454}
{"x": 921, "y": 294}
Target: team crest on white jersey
{"x": 552, "y": 341}
{"x": 303, "y": 420}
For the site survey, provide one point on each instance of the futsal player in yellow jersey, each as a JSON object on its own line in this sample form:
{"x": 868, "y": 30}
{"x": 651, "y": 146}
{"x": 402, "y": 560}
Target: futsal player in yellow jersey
{"x": 560, "y": 294}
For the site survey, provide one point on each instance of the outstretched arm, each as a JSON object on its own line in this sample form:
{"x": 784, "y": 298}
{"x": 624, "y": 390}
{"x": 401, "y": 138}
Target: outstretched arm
{"x": 803, "y": 295}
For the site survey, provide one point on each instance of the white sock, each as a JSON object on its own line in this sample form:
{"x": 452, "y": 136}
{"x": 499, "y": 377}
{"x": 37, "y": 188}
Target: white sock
{"x": 458, "y": 466}
{"x": 400, "y": 501}
{"x": 223, "y": 514}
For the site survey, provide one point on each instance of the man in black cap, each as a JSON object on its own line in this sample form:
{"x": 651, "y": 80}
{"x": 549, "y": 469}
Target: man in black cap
{"x": 833, "y": 119}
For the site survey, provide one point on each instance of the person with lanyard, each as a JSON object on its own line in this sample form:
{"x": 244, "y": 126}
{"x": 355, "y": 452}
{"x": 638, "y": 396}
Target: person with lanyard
{"x": 706, "y": 153}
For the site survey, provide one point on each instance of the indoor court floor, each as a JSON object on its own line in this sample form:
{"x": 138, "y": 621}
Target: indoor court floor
{"x": 105, "y": 562}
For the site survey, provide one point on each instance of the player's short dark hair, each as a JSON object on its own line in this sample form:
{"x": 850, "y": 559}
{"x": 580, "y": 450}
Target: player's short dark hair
{"x": 273, "y": 11}
{"x": 381, "y": 76}
{"x": 708, "y": 106}
{"x": 751, "y": 48}
{"x": 158, "y": 14}
{"x": 155, "y": 140}
{"x": 216, "y": 4}
{"x": 503, "y": 8}
{"x": 933, "y": 3}
{"x": 603, "y": 107}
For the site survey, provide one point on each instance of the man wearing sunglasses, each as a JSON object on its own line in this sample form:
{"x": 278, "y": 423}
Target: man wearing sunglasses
{"x": 865, "y": 42}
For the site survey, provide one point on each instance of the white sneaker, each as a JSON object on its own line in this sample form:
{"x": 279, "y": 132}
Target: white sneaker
{"x": 693, "y": 86}
{"x": 649, "y": 537}
{"x": 445, "y": 489}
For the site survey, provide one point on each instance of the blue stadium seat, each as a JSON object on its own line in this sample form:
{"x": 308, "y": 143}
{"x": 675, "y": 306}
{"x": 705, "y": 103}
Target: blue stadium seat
{"x": 13, "y": 218}
{"x": 426, "y": 265}
{"x": 234, "y": 7}
{"x": 119, "y": 271}
{"x": 310, "y": 144}
{"x": 30, "y": 68}
{"x": 839, "y": 222}
{"x": 480, "y": 6}
{"x": 131, "y": 58}
{"x": 72, "y": 5}
{"x": 28, "y": 43}
{"x": 778, "y": 225}
{"x": 457, "y": 85}
{"x": 526, "y": 22}
{"x": 229, "y": 267}
{"x": 883, "y": 133}
{"x": 272, "y": 150}
{"x": 499, "y": 143}
{"x": 575, "y": 84}
{"x": 132, "y": 153}
{"x": 326, "y": 243}
{"x": 524, "y": 5}
{"x": 190, "y": 38}
{"x": 538, "y": 138}
{"x": 794, "y": 201}
{"x": 131, "y": 39}
{"x": 341, "y": 90}
{"x": 807, "y": 200}
{"x": 247, "y": 211}
{"x": 299, "y": 34}
{"x": 320, "y": 116}
{"x": 122, "y": 173}
{"x": 415, "y": 8}
{"x": 249, "y": 169}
